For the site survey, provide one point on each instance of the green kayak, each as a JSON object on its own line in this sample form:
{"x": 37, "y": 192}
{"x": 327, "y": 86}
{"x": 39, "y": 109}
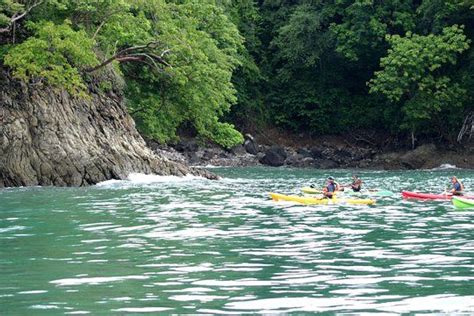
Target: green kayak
{"x": 463, "y": 203}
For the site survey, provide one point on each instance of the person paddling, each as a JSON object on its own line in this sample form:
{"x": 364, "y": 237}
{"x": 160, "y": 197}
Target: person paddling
{"x": 356, "y": 184}
{"x": 330, "y": 190}
{"x": 458, "y": 187}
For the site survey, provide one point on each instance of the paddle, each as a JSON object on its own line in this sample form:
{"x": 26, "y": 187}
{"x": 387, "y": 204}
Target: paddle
{"x": 323, "y": 196}
{"x": 384, "y": 193}
{"x": 378, "y": 192}
{"x": 446, "y": 192}
{"x": 313, "y": 189}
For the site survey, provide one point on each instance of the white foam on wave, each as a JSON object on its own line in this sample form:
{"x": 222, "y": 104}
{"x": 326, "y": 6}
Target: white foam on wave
{"x": 109, "y": 183}
{"x": 208, "y": 166}
{"x": 445, "y": 166}
{"x": 141, "y": 178}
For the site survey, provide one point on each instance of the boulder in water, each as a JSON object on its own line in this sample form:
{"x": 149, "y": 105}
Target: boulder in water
{"x": 418, "y": 158}
{"x": 274, "y": 156}
{"x": 250, "y": 145}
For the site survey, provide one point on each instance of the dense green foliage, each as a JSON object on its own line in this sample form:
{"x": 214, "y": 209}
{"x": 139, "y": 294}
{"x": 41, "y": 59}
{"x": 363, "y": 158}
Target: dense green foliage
{"x": 182, "y": 74}
{"x": 321, "y": 67}
{"x": 391, "y": 66}
{"x": 412, "y": 71}
{"x": 55, "y": 53}
{"x": 8, "y": 8}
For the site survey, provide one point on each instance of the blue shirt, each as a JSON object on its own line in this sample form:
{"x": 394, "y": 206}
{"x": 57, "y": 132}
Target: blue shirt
{"x": 331, "y": 187}
{"x": 457, "y": 186}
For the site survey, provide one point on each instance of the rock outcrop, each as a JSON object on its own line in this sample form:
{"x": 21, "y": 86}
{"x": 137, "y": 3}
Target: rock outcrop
{"x": 250, "y": 145}
{"x": 275, "y": 156}
{"x": 426, "y": 156}
{"x": 321, "y": 156}
{"x": 48, "y": 137}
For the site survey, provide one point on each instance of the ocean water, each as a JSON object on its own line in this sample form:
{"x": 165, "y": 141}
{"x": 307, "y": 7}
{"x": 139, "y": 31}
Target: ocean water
{"x": 167, "y": 245}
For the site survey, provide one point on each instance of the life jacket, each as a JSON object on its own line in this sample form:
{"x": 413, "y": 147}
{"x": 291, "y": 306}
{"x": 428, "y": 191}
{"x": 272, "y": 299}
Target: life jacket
{"x": 334, "y": 185}
{"x": 461, "y": 186}
{"x": 356, "y": 185}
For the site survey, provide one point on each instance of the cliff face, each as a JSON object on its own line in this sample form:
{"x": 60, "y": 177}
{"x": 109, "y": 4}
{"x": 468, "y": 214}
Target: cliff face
{"x": 48, "y": 137}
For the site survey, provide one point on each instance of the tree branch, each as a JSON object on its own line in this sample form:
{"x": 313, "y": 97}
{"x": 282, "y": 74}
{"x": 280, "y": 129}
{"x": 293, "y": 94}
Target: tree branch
{"x": 98, "y": 29}
{"x": 141, "y": 53}
{"x": 104, "y": 19}
{"x": 18, "y": 16}
{"x": 467, "y": 127}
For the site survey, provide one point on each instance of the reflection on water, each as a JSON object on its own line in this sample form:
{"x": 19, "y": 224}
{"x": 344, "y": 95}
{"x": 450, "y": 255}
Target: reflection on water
{"x": 188, "y": 245}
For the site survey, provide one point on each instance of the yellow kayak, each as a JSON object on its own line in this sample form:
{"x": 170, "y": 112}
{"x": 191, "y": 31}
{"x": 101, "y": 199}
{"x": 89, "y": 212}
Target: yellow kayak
{"x": 310, "y": 190}
{"x": 313, "y": 200}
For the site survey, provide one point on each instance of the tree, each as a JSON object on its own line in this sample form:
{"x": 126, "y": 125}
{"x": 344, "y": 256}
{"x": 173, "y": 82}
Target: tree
{"x": 414, "y": 73}
{"x": 12, "y": 11}
{"x": 178, "y": 57}
{"x": 204, "y": 46}
{"x": 299, "y": 64}
{"x": 54, "y": 54}
{"x": 248, "y": 79}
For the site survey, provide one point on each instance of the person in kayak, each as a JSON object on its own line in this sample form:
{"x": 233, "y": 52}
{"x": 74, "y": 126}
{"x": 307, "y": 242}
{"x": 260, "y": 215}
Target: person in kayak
{"x": 337, "y": 185}
{"x": 330, "y": 190}
{"x": 356, "y": 184}
{"x": 458, "y": 187}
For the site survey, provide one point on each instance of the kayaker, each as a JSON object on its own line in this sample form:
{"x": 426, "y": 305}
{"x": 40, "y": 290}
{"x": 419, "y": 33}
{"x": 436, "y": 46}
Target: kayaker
{"x": 356, "y": 184}
{"x": 331, "y": 188}
{"x": 458, "y": 187}
{"x": 338, "y": 186}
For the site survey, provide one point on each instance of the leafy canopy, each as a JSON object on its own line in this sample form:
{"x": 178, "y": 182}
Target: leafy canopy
{"x": 67, "y": 38}
{"x": 321, "y": 67}
{"x": 319, "y": 55}
{"x": 413, "y": 72}
{"x": 197, "y": 88}
{"x": 55, "y": 53}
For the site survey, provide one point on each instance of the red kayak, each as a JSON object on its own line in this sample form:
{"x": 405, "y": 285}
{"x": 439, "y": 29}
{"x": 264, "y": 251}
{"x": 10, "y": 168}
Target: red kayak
{"x": 430, "y": 196}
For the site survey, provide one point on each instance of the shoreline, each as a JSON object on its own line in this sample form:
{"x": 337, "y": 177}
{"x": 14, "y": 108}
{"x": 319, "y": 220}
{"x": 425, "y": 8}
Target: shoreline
{"x": 324, "y": 155}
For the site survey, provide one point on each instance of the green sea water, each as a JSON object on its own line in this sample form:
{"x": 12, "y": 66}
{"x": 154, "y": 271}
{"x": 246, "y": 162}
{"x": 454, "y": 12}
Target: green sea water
{"x": 166, "y": 245}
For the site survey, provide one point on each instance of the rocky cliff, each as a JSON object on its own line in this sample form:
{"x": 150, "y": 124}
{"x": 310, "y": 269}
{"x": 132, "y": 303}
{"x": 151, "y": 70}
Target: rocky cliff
{"x": 48, "y": 137}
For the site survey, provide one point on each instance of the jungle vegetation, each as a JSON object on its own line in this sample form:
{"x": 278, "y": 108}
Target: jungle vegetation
{"x": 401, "y": 67}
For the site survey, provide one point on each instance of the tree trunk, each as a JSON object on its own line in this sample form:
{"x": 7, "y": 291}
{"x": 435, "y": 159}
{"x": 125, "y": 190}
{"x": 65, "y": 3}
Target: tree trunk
{"x": 467, "y": 127}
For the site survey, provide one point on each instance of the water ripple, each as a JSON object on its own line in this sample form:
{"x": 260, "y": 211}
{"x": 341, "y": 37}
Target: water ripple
{"x": 154, "y": 244}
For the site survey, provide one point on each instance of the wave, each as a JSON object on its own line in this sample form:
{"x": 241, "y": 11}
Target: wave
{"x": 141, "y": 178}
{"x": 208, "y": 166}
{"x": 445, "y": 166}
